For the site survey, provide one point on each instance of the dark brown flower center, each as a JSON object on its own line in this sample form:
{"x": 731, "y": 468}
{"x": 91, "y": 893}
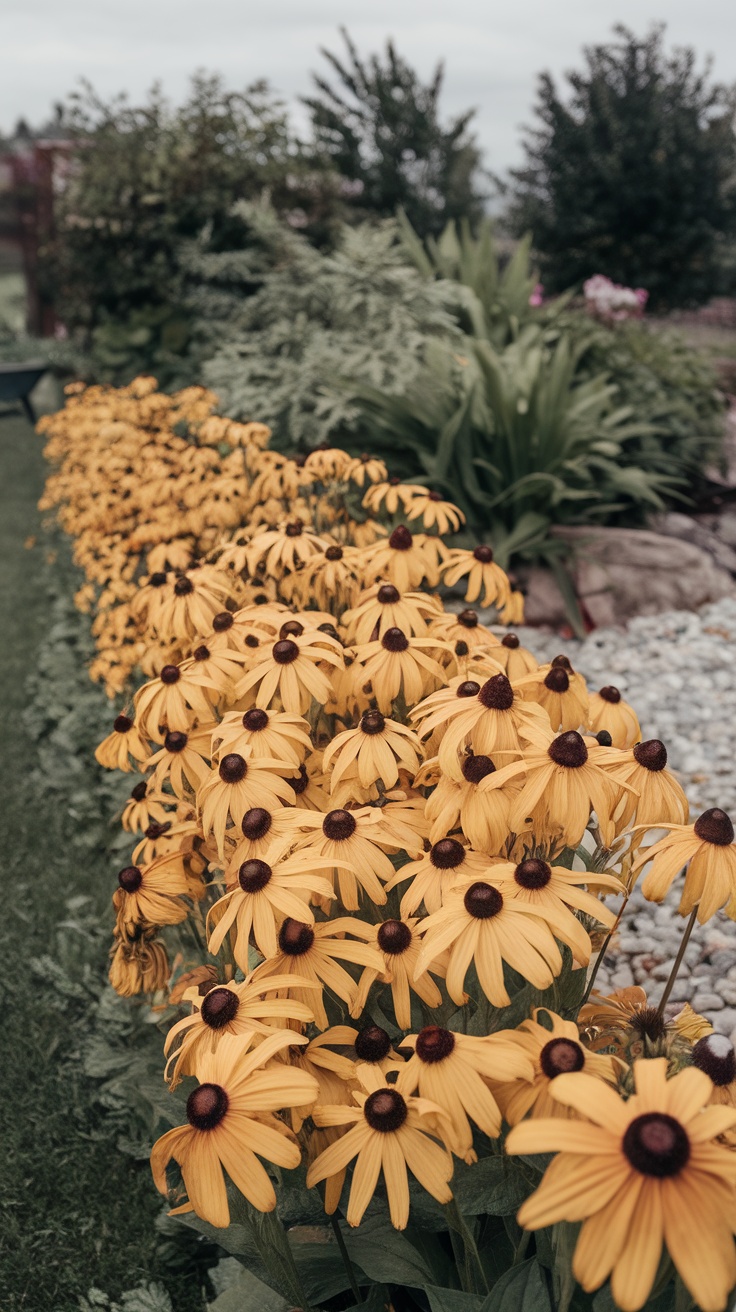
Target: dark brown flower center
{"x": 483, "y": 554}
{"x": 434, "y": 1044}
{"x": 447, "y": 854}
{"x": 715, "y": 1055}
{"x": 388, "y": 595}
{"x": 532, "y": 873}
{"x": 295, "y": 938}
{"x": 222, "y": 622}
{"x": 183, "y": 586}
{"x": 372, "y": 722}
{"x": 394, "y": 937}
{"x": 610, "y": 694}
{"x": 339, "y": 825}
{"x": 385, "y": 1110}
{"x": 560, "y": 1056}
{"x": 461, "y": 648}
{"x": 483, "y": 901}
{"x": 254, "y": 875}
{"x": 467, "y": 689}
{"x": 255, "y": 719}
{"x": 657, "y": 1145}
{"x": 603, "y": 738}
{"x": 651, "y": 754}
{"x": 476, "y": 768}
{"x": 256, "y": 823}
{"x": 394, "y": 640}
{"x": 201, "y": 653}
{"x": 299, "y": 782}
{"x": 206, "y": 1106}
{"x": 285, "y": 651}
{"x": 372, "y": 1044}
{"x": 219, "y": 1007}
{"x": 139, "y": 791}
{"x": 158, "y": 579}
{"x": 130, "y": 879}
{"x": 557, "y": 680}
{"x": 252, "y": 641}
{"x": 122, "y": 723}
{"x": 561, "y": 663}
{"x": 333, "y": 553}
{"x": 497, "y": 694}
{"x": 291, "y": 629}
{"x": 156, "y": 830}
{"x": 294, "y": 530}
{"x": 511, "y": 641}
{"x": 714, "y": 826}
{"x": 468, "y": 619}
{"x": 175, "y": 741}
{"x": 401, "y": 539}
{"x": 170, "y": 674}
{"x": 569, "y": 750}
{"x": 647, "y": 1023}
{"x": 233, "y": 768}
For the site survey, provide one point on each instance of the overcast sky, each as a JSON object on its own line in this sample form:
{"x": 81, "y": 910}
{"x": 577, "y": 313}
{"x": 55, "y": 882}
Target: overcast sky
{"x": 493, "y": 49}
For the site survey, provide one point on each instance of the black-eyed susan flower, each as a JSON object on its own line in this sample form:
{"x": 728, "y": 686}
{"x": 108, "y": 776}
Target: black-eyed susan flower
{"x": 152, "y": 895}
{"x": 464, "y": 627}
{"x": 399, "y": 944}
{"x": 264, "y": 894}
{"x": 174, "y": 834}
{"x": 553, "y": 1050}
{"x": 290, "y": 670}
{"x": 538, "y": 884}
{"x": 482, "y": 573}
{"x": 231, "y": 1123}
{"x": 435, "y": 512}
{"x": 143, "y": 806}
{"x": 387, "y": 1134}
{"x": 708, "y": 850}
{"x": 238, "y": 784}
{"x": 657, "y": 797}
{"x": 215, "y": 668}
{"x": 242, "y": 1009}
{"x": 375, "y": 750}
{"x": 396, "y": 665}
{"x": 123, "y": 749}
{"x": 139, "y": 962}
{"x": 313, "y": 952}
{"x": 188, "y": 605}
{"x": 608, "y": 710}
{"x": 307, "y": 786}
{"x": 365, "y": 469}
{"x": 476, "y": 923}
{"x": 452, "y": 1070}
{"x": 491, "y": 718}
{"x": 275, "y": 551}
{"x": 514, "y": 658}
{"x": 563, "y": 784}
{"x": 332, "y": 1070}
{"x": 383, "y": 607}
{"x": 639, "y": 1174}
{"x": 482, "y": 814}
{"x": 263, "y": 829}
{"x": 434, "y": 873}
{"x": 372, "y": 1045}
{"x": 562, "y": 693}
{"x": 334, "y": 578}
{"x": 275, "y": 734}
{"x": 404, "y": 559}
{"x": 183, "y": 761}
{"x": 391, "y": 495}
{"x": 172, "y": 701}
{"x": 512, "y": 610}
{"x": 353, "y": 838}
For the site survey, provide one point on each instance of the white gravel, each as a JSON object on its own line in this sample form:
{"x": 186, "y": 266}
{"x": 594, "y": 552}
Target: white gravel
{"x": 677, "y": 671}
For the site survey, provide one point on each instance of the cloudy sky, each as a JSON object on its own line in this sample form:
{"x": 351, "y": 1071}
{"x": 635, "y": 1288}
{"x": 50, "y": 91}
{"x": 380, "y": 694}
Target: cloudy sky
{"x": 493, "y": 49}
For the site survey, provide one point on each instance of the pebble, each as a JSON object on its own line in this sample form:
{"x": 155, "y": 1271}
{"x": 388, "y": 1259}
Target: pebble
{"x": 676, "y": 670}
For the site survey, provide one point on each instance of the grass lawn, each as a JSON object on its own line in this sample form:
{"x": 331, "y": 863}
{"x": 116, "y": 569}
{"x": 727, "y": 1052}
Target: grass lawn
{"x": 74, "y": 1211}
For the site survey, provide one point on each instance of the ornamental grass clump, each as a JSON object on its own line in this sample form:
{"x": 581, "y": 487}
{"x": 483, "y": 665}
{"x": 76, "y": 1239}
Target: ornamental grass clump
{"x": 374, "y": 860}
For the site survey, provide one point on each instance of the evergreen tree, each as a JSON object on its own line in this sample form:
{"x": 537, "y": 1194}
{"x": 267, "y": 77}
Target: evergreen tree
{"x": 379, "y": 127}
{"x": 632, "y": 174}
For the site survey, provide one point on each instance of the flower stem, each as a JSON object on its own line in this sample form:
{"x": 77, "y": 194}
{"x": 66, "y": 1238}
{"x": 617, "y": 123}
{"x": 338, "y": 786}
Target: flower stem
{"x": 602, "y": 953}
{"x": 473, "y": 1278}
{"x": 678, "y": 962}
{"x": 349, "y": 1268}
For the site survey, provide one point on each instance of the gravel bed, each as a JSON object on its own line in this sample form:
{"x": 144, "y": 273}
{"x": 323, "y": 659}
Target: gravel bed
{"x": 677, "y": 671}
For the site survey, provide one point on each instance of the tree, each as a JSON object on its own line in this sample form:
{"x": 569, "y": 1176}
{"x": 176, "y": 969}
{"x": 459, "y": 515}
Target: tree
{"x": 380, "y": 129}
{"x": 632, "y": 175}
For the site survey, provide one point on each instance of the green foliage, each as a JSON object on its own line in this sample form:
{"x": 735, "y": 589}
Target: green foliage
{"x": 379, "y": 127}
{"x": 631, "y": 174}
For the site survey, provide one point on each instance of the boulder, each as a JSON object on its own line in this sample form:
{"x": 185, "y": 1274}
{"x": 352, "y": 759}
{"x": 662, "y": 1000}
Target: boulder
{"x": 621, "y": 572}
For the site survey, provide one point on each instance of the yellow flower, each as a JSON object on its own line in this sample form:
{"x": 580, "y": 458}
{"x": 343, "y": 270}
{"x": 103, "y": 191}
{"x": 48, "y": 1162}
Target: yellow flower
{"x": 388, "y": 1133}
{"x": 514, "y": 658}
{"x": 290, "y": 670}
{"x": 561, "y": 692}
{"x": 383, "y": 607}
{"x": 239, "y": 783}
{"x": 540, "y": 885}
{"x": 152, "y": 895}
{"x": 658, "y": 798}
{"x": 639, "y": 1174}
{"x": 275, "y": 734}
{"x": 139, "y": 963}
{"x": 365, "y": 469}
{"x": 278, "y": 550}
{"x": 173, "y": 701}
{"x": 512, "y": 611}
{"x": 464, "y": 627}
{"x": 491, "y": 718}
{"x": 434, "y": 873}
{"x": 231, "y": 1119}
{"x": 353, "y": 838}
{"x": 404, "y": 559}
{"x": 477, "y": 923}
{"x": 398, "y": 943}
{"x": 373, "y": 751}
{"x": 708, "y": 850}
{"x": 396, "y": 665}
{"x": 242, "y": 1009}
{"x": 263, "y": 829}
{"x": 482, "y": 573}
{"x": 552, "y": 1050}
{"x": 125, "y": 742}
{"x": 143, "y": 806}
{"x": 453, "y": 1070}
{"x": 607, "y": 710}
{"x": 183, "y": 761}
{"x": 435, "y": 512}
{"x": 483, "y": 814}
{"x": 391, "y": 495}
{"x": 312, "y": 952}
{"x": 266, "y": 892}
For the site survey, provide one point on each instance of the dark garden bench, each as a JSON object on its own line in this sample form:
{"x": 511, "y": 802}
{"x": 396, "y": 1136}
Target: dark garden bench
{"x": 17, "y": 381}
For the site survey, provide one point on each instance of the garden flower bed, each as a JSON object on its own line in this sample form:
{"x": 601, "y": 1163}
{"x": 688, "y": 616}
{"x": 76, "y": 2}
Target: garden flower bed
{"x": 377, "y": 855}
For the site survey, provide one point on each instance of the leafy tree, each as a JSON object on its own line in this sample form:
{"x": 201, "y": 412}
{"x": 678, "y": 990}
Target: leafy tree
{"x": 632, "y": 174}
{"x": 379, "y": 126}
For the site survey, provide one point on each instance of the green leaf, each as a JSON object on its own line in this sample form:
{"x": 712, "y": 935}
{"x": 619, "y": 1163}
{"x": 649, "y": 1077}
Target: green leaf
{"x": 385, "y": 1254}
{"x": 522, "y": 1289}
{"x": 248, "y": 1294}
{"x": 494, "y": 1186}
{"x": 452, "y": 1300}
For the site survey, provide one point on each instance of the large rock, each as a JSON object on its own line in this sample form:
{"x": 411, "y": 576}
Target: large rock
{"x": 621, "y": 572}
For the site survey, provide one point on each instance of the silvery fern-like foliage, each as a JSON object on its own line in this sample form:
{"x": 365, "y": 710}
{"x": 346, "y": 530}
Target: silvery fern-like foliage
{"x": 292, "y": 353}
